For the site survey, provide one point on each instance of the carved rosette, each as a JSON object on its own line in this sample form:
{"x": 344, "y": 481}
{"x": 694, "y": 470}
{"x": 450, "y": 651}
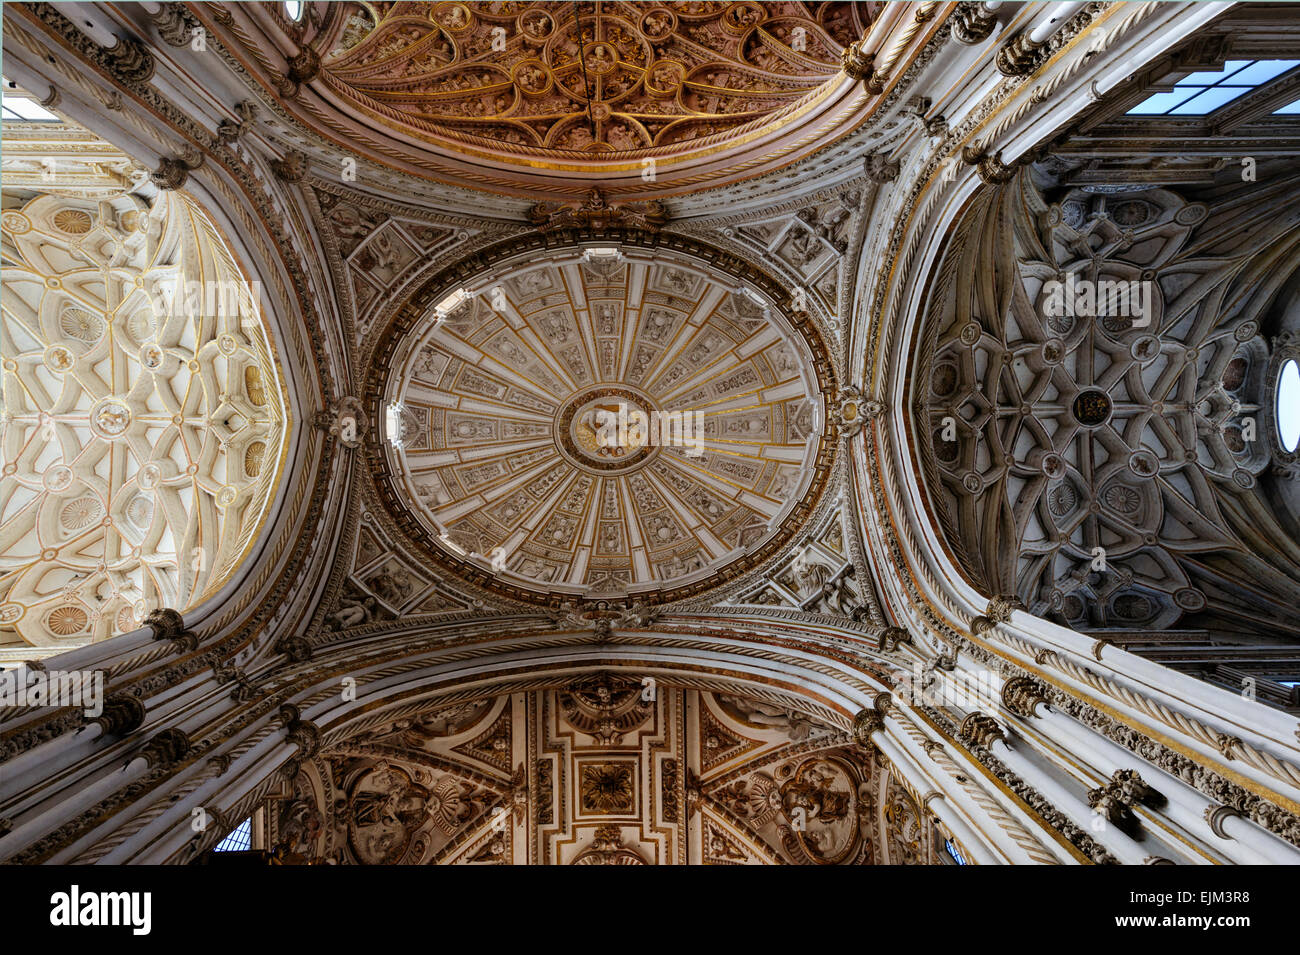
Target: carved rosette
{"x": 880, "y": 168}
{"x": 292, "y": 167}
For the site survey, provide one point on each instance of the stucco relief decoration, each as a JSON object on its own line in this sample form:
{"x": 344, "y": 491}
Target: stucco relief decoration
{"x": 143, "y": 420}
{"x": 1091, "y": 416}
{"x": 614, "y": 778}
{"x": 498, "y": 419}
{"x": 606, "y": 78}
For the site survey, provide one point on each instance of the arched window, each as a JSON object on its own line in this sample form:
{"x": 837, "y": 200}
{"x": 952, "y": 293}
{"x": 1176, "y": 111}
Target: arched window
{"x": 293, "y": 9}
{"x": 1288, "y": 405}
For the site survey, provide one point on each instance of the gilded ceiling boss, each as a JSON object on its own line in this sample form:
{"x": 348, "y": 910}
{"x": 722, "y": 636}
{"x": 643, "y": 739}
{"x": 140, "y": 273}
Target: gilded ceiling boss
{"x": 617, "y": 433}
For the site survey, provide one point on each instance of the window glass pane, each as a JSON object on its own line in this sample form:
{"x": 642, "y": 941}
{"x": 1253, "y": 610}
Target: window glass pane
{"x": 1161, "y": 103}
{"x": 1205, "y": 91}
{"x": 1260, "y": 72}
{"x": 20, "y": 107}
{"x": 1288, "y": 405}
{"x": 1209, "y": 101}
{"x": 1207, "y": 77}
{"x": 240, "y": 838}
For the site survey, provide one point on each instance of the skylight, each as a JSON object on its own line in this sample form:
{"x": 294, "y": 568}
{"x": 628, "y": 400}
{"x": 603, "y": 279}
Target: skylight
{"x": 954, "y": 852}
{"x": 1204, "y": 92}
{"x": 1288, "y": 405}
{"x": 240, "y": 838}
{"x": 24, "y": 108}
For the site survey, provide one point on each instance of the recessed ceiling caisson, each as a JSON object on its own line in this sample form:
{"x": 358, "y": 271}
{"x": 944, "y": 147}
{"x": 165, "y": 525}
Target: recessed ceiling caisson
{"x": 601, "y": 426}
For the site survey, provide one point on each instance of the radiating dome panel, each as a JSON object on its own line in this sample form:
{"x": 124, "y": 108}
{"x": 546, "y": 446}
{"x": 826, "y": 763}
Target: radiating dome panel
{"x": 508, "y": 410}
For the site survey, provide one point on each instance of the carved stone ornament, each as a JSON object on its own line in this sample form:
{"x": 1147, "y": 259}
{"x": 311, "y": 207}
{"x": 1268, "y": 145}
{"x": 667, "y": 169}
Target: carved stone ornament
{"x": 847, "y": 412}
{"x": 1022, "y": 696}
{"x": 857, "y": 64}
{"x": 172, "y": 22}
{"x": 1019, "y": 57}
{"x": 296, "y": 649}
{"x": 345, "y": 422}
{"x": 595, "y": 214}
{"x": 880, "y": 168}
{"x": 305, "y": 66}
{"x": 122, "y": 715}
{"x": 129, "y": 61}
{"x": 991, "y": 168}
{"x": 1000, "y": 608}
{"x": 302, "y": 733}
{"x": 167, "y": 624}
{"x": 229, "y": 130}
{"x": 869, "y": 722}
{"x": 1215, "y": 815}
{"x": 891, "y": 637}
{"x": 166, "y": 749}
{"x": 292, "y": 167}
{"x": 980, "y": 729}
{"x": 1116, "y": 798}
{"x": 170, "y": 174}
{"x": 972, "y": 23}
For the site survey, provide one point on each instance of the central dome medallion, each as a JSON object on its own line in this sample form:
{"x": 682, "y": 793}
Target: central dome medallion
{"x": 596, "y": 421}
{"x": 606, "y": 430}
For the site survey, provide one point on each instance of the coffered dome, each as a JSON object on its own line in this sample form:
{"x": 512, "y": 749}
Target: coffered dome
{"x": 143, "y": 421}
{"x": 588, "y": 422}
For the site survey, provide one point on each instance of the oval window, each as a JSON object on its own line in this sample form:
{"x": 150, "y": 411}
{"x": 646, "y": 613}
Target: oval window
{"x": 1288, "y": 405}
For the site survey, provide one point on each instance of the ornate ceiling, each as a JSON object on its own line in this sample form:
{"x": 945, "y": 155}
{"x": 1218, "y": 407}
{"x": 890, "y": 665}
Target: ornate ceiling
{"x": 500, "y": 454}
{"x": 604, "y": 770}
{"x": 545, "y": 82}
{"x": 640, "y": 99}
{"x": 143, "y": 421}
{"x": 1125, "y": 458}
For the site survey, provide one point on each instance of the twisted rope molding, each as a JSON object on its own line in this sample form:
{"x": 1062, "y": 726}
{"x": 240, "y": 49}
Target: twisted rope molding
{"x": 1034, "y": 848}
